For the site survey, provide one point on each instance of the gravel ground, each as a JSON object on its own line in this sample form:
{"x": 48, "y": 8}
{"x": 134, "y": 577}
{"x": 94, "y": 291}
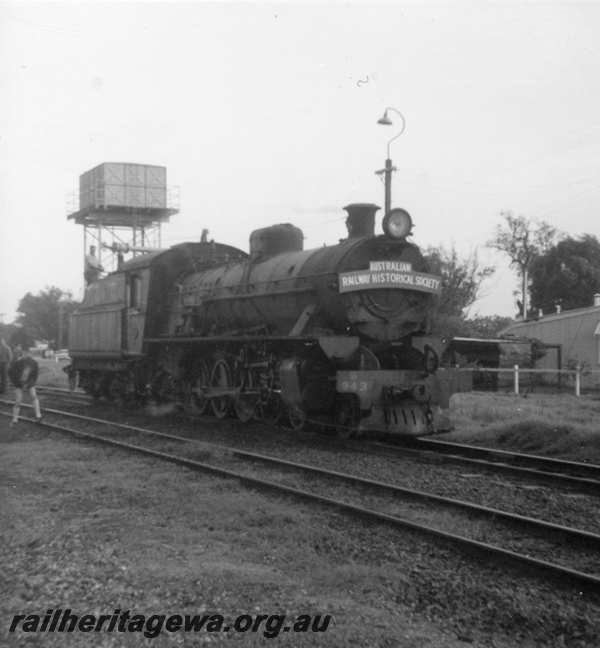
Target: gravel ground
{"x": 510, "y": 493}
{"x": 94, "y": 529}
{"x": 541, "y": 544}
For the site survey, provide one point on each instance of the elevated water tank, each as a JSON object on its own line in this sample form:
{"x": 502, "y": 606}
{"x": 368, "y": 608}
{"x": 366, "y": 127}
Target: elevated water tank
{"x": 122, "y": 184}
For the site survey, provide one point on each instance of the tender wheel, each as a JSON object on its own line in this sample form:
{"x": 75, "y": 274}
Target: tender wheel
{"x": 120, "y": 389}
{"x": 114, "y": 389}
{"x": 164, "y": 387}
{"x": 95, "y": 385}
{"x": 220, "y": 378}
{"x": 297, "y": 417}
{"x": 195, "y": 401}
{"x": 73, "y": 377}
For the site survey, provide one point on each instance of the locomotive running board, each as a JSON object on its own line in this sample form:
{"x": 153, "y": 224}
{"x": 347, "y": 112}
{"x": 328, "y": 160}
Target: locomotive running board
{"x": 231, "y": 338}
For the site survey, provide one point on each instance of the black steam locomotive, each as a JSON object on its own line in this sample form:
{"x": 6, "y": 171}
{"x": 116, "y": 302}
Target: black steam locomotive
{"x": 336, "y": 334}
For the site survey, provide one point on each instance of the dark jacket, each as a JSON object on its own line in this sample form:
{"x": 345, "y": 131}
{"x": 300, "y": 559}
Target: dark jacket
{"x": 23, "y": 373}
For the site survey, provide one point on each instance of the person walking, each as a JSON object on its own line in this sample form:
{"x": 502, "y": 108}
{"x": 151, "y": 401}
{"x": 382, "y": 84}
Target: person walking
{"x": 5, "y": 360}
{"x": 23, "y": 374}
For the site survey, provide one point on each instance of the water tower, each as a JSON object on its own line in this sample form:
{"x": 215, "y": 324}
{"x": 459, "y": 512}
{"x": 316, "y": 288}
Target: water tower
{"x": 122, "y": 207}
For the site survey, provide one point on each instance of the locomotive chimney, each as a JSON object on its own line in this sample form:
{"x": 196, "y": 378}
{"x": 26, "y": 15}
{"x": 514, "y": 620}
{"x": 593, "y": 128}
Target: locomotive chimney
{"x": 361, "y": 219}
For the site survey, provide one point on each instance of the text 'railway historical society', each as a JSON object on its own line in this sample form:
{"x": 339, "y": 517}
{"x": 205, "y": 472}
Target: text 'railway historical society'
{"x": 389, "y": 274}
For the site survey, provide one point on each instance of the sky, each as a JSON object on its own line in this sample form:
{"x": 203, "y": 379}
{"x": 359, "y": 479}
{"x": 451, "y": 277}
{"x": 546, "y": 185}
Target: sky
{"x": 267, "y": 113}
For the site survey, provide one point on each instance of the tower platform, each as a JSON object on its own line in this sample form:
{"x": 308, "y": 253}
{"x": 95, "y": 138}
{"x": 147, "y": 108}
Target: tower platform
{"x": 121, "y": 216}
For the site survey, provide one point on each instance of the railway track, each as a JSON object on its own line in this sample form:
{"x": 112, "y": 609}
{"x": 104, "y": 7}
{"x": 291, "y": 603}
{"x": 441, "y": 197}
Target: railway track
{"x": 548, "y": 464}
{"x": 61, "y": 390}
{"x": 533, "y": 546}
{"x": 65, "y": 395}
{"x": 570, "y": 474}
{"x": 581, "y": 476}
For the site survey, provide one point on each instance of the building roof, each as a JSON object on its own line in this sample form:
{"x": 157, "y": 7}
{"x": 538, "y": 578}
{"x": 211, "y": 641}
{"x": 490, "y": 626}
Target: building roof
{"x": 552, "y": 317}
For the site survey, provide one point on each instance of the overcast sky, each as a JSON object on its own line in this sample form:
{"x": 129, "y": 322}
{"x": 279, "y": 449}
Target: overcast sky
{"x": 266, "y": 113}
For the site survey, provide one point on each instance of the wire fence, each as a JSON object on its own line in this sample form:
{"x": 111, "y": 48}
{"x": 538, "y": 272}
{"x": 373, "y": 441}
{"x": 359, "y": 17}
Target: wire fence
{"x": 523, "y": 380}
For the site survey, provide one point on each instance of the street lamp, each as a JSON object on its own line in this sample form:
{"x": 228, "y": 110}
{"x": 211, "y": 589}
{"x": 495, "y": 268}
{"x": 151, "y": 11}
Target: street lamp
{"x": 389, "y": 169}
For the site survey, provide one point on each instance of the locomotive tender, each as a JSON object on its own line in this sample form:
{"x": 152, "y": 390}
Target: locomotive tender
{"x": 336, "y": 334}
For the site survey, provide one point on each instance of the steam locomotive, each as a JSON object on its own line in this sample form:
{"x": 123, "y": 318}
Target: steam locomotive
{"x": 336, "y": 335}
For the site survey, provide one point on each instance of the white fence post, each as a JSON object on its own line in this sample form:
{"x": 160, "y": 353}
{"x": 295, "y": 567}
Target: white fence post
{"x": 578, "y": 380}
{"x": 517, "y": 379}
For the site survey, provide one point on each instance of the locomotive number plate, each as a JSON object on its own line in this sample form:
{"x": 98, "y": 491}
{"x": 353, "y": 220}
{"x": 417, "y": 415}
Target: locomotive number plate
{"x": 354, "y": 386}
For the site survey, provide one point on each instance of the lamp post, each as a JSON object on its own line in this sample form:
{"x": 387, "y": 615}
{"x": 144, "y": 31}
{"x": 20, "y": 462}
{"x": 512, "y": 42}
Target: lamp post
{"x": 389, "y": 169}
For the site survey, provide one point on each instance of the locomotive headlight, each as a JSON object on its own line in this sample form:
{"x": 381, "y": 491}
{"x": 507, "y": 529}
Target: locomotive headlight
{"x": 397, "y": 223}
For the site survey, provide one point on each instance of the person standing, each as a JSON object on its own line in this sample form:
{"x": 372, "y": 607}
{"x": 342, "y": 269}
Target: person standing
{"x": 5, "y": 360}
{"x": 93, "y": 268}
{"x": 23, "y": 374}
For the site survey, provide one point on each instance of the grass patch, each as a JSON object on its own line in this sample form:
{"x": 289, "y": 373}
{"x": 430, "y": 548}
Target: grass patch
{"x": 553, "y": 424}
{"x": 530, "y": 435}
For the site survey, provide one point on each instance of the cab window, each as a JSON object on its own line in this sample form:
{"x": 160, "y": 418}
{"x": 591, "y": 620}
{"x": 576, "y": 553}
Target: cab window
{"x": 135, "y": 291}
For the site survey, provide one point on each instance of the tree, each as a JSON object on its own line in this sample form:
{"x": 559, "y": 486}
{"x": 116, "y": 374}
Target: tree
{"x": 522, "y": 242}
{"x": 567, "y": 274}
{"x": 488, "y": 326}
{"x": 42, "y": 315}
{"x": 461, "y": 282}
{"x": 14, "y": 335}
{"x": 6, "y": 330}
